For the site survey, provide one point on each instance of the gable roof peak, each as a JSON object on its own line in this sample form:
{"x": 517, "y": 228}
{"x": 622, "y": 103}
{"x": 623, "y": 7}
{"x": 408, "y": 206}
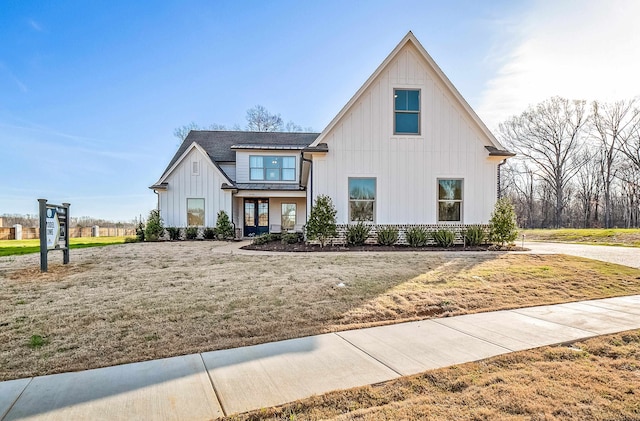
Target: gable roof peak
{"x": 411, "y": 38}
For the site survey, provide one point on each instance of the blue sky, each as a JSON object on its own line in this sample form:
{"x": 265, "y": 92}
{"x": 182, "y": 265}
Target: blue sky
{"x": 91, "y": 91}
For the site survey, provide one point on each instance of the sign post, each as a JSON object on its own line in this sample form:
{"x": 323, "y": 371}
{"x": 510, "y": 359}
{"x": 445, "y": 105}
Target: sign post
{"x": 54, "y": 231}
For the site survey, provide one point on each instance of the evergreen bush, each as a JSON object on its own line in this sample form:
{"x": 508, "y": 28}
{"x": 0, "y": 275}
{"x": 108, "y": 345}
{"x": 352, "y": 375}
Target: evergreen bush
{"x": 357, "y": 234}
{"x": 388, "y": 236}
{"x": 224, "y": 227}
{"x": 154, "y": 228}
{"x": 502, "y": 225}
{"x": 474, "y": 235}
{"x": 417, "y": 236}
{"x": 174, "y": 233}
{"x": 209, "y": 233}
{"x": 322, "y": 220}
{"x": 291, "y": 238}
{"x": 443, "y": 237}
{"x": 191, "y": 233}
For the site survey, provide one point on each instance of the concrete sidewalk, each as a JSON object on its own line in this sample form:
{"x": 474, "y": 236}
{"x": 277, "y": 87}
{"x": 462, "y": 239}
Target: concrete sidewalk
{"x": 213, "y": 384}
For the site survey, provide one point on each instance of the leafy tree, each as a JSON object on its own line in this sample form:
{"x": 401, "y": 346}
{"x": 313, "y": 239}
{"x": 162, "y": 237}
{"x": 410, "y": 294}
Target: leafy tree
{"x": 154, "y": 229}
{"x": 502, "y": 225}
{"x": 224, "y": 227}
{"x": 322, "y": 220}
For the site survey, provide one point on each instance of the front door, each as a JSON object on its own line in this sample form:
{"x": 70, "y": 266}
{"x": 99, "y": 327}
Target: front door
{"x": 256, "y": 217}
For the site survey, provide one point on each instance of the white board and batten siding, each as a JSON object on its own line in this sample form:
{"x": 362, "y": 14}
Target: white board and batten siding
{"x": 184, "y": 183}
{"x": 407, "y": 167}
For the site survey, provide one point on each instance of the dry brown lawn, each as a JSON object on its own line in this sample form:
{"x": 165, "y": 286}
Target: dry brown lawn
{"x": 141, "y": 301}
{"x": 596, "y": 379}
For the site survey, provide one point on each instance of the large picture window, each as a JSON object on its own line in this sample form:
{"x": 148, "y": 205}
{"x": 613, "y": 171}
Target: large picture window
{"x": 406, "y": 111}
{"x": 362, "y": 199}
{"x": 450, "y": 200}
{"x": 272, "y": 168}
{"x": 288, "y": 216}
{"x": 195, "y": 212}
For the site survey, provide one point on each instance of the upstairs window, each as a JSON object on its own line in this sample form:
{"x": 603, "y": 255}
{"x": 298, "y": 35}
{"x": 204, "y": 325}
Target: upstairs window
{"x": 406, "y": 111}
{"x": 450, "y": 200}
{"x": 272, "y": 168}
{"x": 362, "y": 199}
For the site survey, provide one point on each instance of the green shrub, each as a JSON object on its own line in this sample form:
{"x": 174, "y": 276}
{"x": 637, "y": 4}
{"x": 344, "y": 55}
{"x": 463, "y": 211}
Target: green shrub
{"x": 209, "y": 233}
{"x": 264, "y": 239}
{"x": 322, "y": 220}
{"x": 502, "y": 225}
{"x": 417, "y": 236}
{"x": 291, "y": 238}
{"x": 224, "y": 227}
{"x": 474, "y": 235}
{"x": 388, "y": 236}
{"x": 174, "y": 233}
{"x": 443, "y": 237}
{"x": 154, "y": 229}
{"x": 191, "y": 233}
{"x": 131, "y": 240}
{"x": 357, "y": 234}
{"x": 140, "y": 231}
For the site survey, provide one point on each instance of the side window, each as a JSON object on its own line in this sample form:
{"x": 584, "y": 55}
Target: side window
{"x": 450, "y": 200}
{"x": 362, "y": 199}
{"x": 195, "y": 212}
{"x": 406, "y": 111}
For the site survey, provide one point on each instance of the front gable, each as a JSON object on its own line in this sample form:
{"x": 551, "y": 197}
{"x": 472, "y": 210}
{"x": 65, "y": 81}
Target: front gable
{"x": 445, "y": 142}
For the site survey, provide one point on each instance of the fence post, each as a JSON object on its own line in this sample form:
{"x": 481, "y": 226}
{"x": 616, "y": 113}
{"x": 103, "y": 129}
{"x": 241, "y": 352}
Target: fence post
{"x": 17, "y": 229}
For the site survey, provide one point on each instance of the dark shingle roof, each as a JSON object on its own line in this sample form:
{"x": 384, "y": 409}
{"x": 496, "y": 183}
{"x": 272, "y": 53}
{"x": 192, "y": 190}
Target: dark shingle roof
{"x": 218, "y": 143}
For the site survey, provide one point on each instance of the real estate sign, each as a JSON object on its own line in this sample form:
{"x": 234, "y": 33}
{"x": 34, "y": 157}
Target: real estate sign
{"x": 54, "y": 231}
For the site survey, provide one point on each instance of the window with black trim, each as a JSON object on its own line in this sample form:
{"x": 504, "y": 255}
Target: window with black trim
{"x": 272, "y": 168}
{"x": 362, "y": 199}
{"x": 450, "y": 200}
{"x": 406, "y": 111}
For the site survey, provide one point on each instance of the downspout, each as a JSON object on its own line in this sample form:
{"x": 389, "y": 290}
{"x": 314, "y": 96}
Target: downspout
{"x": 310, "y": 161}
{"x": 499, "y": 179}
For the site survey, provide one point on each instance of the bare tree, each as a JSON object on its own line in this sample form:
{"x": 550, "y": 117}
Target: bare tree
{"x": 183, "y": 131}
{"x": 549, "y": 135}
{"x": 614, "y": 125}
{"x": 259, "y": 119}
{"x": 293, "y": 127}
{"x": 588, "y": 188}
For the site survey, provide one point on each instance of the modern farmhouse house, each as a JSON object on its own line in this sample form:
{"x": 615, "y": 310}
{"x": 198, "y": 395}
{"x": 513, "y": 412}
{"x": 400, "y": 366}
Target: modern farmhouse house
{"x": 406, "y": 149}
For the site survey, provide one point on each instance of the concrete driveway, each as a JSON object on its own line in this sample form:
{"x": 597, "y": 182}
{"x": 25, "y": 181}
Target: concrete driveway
{"x": 628, "y": 256}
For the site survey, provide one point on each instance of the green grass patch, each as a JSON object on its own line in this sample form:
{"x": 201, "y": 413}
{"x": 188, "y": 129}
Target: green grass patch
{"x": 19, "y": 247}
{"x": 626, "y": 237}
{"x": 37, "y": 341}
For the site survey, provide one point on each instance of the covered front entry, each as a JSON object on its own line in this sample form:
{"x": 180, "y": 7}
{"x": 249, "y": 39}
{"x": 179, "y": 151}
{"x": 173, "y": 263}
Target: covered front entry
{"x": 256, "y": 216}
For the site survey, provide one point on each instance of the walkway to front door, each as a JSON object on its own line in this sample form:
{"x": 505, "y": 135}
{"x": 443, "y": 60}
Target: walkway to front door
{"x": 256, "y": 217}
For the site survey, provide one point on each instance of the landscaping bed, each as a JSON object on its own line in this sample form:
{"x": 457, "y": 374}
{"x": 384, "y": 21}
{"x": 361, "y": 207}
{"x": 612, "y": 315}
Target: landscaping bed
{"x": 306, "y": 247}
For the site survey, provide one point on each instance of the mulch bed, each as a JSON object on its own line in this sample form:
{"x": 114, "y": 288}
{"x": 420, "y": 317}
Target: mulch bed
{"x": 303, "y": 248}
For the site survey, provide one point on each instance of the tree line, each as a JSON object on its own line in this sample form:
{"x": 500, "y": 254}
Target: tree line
{"x": 259, "y": 119}
{"x": 577, "y": 164}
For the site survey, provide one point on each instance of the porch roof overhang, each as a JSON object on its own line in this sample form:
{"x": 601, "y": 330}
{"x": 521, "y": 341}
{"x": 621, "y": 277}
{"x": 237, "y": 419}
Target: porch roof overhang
{"x": 159, "y": 186}
{"x": 320, "y": 148}
{"x": 493, "y": 151}
{"x": 268, "y": 190}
